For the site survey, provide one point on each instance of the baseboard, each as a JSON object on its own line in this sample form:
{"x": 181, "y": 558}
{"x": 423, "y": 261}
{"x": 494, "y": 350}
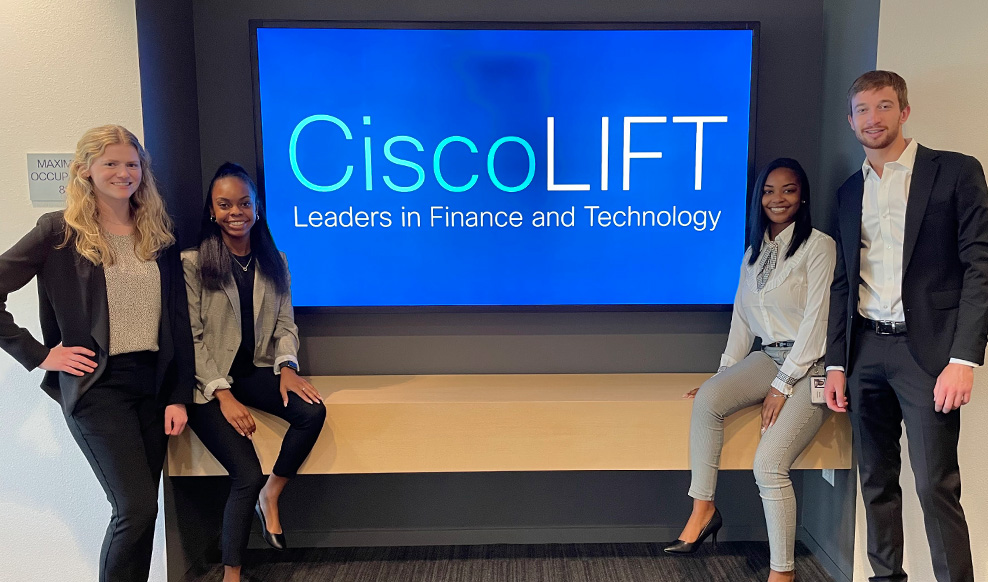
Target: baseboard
{"x": 468, "y": 537}
{"x": 822, "y": 556}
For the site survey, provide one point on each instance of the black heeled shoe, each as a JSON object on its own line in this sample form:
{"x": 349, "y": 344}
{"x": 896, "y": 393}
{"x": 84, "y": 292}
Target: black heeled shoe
{"x": 713, "y": 526}
{"x": 275, "y": 540}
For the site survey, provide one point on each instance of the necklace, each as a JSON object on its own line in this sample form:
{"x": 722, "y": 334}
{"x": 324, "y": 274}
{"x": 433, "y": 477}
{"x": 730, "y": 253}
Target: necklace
{"x": 243, "y": 266}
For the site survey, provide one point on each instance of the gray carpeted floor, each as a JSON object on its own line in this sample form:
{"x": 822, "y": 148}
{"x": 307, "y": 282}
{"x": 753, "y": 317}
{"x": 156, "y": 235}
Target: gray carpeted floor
{"x": 731, "y": 562}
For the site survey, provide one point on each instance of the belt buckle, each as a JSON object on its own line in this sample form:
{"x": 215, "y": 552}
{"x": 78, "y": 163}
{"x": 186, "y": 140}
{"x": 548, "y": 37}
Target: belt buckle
{"x": 885, "y": 327}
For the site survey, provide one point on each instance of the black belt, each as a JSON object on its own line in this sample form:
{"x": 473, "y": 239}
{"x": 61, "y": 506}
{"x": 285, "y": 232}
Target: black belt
{"x": 782, "y": 344}
{"x": 885, "y": 327}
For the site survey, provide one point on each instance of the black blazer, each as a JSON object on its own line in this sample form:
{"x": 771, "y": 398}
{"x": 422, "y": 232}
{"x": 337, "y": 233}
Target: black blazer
{"x": 73, "y": 310}
{"x": 944, "y": 258}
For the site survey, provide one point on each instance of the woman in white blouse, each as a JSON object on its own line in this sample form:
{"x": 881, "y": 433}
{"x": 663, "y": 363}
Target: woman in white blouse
{"x": 783, "y": 300}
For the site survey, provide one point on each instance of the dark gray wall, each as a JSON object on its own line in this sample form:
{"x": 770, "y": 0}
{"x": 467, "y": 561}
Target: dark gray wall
{"x": 850, "y": 48}
{"x": 801, "y": 69}
{"x": 827, "y": 520}
{"x": 166, "y": 50}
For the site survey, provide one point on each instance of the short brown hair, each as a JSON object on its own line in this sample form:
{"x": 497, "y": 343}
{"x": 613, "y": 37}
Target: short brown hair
{"x": 874, "y": 80}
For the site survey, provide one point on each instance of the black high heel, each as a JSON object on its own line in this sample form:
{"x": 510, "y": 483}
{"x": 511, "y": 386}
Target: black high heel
{"x": 713, "y": 526}
{"x": 276, "y": 541}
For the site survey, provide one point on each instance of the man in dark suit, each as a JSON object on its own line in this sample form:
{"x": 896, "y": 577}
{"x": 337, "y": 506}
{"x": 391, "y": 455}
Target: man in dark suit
{"x": 908, "y": 322}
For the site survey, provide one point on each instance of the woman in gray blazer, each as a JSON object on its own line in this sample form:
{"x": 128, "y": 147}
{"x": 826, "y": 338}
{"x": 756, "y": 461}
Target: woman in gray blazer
{"x": 246, "y": 346}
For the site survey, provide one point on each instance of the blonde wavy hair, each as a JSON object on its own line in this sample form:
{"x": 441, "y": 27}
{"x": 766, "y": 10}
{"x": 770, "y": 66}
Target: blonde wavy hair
{"x": 152, "y": 225}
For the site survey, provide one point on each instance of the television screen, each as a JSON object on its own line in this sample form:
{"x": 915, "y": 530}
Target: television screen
{"x": 463, "y": 165}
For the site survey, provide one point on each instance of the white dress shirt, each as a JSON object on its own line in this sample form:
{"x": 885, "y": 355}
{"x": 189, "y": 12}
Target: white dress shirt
{"x": 792, "y": 306}
{"x": 883, "y": 225}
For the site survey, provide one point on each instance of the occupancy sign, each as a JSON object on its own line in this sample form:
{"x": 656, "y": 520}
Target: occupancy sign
{"x": 47, "y": 176}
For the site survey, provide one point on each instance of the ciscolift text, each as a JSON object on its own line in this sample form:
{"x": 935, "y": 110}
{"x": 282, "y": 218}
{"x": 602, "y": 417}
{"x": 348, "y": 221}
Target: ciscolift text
{"x": 628, "y": 155}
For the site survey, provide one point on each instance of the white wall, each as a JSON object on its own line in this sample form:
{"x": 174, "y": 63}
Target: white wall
{"x": 941, "y": 49}
{"x": 66, "y": 65}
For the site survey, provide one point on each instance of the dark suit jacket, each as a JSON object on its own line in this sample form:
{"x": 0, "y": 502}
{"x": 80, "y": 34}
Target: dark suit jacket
{"x": 73, "y": 311}
{"x": 944, "y": 257}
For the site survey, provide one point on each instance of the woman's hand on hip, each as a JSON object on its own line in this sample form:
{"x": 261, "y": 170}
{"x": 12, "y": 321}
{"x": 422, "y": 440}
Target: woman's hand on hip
{"x": 236, "y": 413}
{"x": 771, "y": 407}
{"x": 292, "y": 382}
{"x": 72, "y": 360}
{"x": 175, "y": 419}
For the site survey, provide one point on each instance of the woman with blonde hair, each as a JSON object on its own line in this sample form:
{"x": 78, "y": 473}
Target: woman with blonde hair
{"x": 116, "y": 343}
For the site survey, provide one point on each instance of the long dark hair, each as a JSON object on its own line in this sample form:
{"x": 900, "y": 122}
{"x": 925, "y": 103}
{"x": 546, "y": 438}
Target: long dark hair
{"x": 214, "y": 257}
{"x": 759, "y": 221}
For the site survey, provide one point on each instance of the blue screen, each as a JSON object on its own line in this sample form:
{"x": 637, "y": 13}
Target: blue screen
{"x": 506, "y": 167}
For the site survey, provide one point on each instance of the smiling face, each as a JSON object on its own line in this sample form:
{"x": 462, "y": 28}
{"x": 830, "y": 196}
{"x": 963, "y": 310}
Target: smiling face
{"x": 233, "y": 208}
{"x": 877, "y": 118}
{"x": 781, "y": 198}
{"x": 116, "y": 174}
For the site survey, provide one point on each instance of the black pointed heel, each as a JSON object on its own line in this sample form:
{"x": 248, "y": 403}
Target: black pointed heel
{"x": 710, "y": 530}
{"x": 276, "y": 541}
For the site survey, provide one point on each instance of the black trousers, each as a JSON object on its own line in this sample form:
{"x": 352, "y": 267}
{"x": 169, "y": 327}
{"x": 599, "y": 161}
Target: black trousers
{"x": 119, "y": 425}
{"x": 886, "y": 387}
{"x": 259, "y": 389}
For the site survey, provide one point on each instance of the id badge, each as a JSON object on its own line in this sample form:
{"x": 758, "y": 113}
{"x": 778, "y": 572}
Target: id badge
{"x": 817, "y": 395}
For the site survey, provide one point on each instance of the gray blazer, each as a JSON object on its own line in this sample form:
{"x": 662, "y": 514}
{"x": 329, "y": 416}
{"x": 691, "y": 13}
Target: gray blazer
{"x": 215, "y": 318}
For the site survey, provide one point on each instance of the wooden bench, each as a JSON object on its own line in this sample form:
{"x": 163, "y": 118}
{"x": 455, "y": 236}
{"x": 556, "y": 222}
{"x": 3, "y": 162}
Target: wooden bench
{"x": 508, "y": 422}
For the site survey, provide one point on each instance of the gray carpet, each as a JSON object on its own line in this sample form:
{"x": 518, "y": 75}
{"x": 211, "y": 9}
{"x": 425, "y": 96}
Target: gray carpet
{"x": 731, "y": 562}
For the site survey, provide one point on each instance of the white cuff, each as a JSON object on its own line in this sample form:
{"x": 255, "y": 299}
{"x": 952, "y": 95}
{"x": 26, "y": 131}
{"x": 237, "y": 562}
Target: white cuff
{"x": 835, "y": 368}
{"x": 217, "y": 384}
{"x": 965, "y": 362}
{"x": 782, "y": 387}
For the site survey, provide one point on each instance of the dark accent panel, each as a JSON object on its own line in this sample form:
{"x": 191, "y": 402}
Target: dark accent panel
{"x": 850, "y": 48}
{"x": 827, "y": 519}
{"x": 170, "y": 106}
{"x": 166, "y": 46}
{"x": 198, "y": 109}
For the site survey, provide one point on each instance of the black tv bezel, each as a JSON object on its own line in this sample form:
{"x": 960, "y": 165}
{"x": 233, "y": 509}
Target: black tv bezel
{"x": 752, "y": 26}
